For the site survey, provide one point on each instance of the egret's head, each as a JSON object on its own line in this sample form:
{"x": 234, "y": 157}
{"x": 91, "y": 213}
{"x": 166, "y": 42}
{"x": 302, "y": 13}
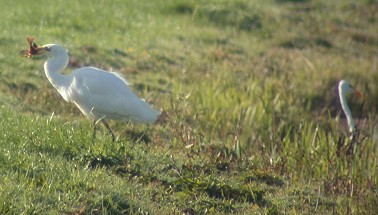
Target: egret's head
{"x": 33, "y": 50}
{"x": 54, "y": 49}
{"x": 346, "y": 87}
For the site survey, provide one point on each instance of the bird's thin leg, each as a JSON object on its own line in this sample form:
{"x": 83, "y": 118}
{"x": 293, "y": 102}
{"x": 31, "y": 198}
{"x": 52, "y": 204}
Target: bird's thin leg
{"x": 110, "y": 130}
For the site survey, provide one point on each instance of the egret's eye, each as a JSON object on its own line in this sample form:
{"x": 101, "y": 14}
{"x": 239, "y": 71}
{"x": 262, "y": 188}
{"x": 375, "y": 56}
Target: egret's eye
{"x": 33, "y": 45}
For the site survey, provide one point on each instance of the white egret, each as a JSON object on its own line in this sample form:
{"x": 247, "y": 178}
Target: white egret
{"x": 100, "y": 95}
{"x": 344, "y": 88}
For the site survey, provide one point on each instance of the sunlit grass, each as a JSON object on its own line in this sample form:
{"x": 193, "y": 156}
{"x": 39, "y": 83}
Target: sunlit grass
{"x": 253, "y": 123}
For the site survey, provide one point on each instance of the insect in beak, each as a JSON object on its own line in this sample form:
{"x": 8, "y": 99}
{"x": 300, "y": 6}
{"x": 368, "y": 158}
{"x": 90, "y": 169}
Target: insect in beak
{"x": 33, "y": 48}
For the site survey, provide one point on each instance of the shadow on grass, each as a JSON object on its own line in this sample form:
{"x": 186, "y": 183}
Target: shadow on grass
{"x": 223, "y": 16}
{"x": 293, "y": 1}
{"x": 302, "y": 43}
{"x": 218, "y": 190}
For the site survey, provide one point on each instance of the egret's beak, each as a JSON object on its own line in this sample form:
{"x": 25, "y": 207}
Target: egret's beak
{"x": 33, "y": 48}
{"x": 357, "y": 92}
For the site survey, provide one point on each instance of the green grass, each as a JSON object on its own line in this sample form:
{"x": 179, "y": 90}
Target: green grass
{"x": 253, "y": 123}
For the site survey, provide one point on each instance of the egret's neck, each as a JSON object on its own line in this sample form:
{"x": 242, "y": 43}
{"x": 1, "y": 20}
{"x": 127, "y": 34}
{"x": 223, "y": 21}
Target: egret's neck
{"x": 53, "y": 66}
{"x": 346, "y": 110}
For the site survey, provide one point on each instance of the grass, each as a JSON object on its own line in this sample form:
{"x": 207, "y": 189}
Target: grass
{"x": 253, "y": 122}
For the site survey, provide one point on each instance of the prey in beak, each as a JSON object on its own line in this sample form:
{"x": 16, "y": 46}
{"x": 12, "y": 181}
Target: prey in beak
{"x": 33, "y": 48}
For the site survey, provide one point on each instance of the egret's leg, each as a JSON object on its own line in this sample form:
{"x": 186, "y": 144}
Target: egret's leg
{"x": 110, "y": 130}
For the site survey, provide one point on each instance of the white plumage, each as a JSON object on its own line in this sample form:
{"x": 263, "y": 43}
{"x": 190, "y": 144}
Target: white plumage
{"x": 99, "y": 95}
{"x": 344, "y": 88}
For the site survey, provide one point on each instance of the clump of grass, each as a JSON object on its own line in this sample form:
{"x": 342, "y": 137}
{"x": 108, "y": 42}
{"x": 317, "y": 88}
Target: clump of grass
{"x": 247, "y": 87}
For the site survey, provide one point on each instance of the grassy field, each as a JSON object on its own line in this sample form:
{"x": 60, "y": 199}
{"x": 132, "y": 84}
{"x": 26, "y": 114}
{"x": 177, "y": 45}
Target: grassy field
{"x": 253, "y": 127}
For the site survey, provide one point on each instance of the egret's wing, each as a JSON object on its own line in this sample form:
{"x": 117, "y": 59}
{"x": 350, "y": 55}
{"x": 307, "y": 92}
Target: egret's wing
{"x": 108, "y": 94}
